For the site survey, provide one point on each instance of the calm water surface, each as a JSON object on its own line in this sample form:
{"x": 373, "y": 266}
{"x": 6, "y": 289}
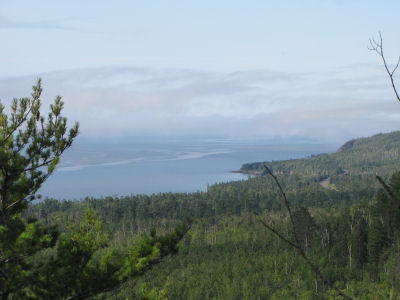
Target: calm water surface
{"x": 152, "y": 165}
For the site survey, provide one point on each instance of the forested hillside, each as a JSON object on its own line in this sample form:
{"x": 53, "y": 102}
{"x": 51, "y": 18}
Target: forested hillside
{"x": 363, "y": 156}
{"x": 349, "y": 228}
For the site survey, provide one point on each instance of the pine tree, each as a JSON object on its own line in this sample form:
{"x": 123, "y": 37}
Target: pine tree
{"x": 30, "y": 147}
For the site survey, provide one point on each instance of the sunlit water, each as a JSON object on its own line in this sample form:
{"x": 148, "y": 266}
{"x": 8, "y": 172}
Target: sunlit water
{"x": 152, "y": 165}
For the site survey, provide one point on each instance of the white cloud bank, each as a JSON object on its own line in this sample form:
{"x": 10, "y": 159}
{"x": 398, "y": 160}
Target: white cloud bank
{"x": 332, "y": 106}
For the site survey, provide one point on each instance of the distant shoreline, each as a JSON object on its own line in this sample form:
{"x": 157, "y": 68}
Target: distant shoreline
{"x": 252, "y": 173}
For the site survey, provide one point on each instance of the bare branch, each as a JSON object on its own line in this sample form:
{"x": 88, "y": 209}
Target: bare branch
{"x": 396, "y": 201}
{"x": 296, "y": 245}
{"x": 378, "y": 48}
{"x": 279, "y": 235}
{"x": 286, "y": 203}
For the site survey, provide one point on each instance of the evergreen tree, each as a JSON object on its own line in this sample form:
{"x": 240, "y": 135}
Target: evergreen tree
{"x": 359, "y": 245}
{"x": 30, "y": 147}
{"x": 30, "y": 267}
{"x": 394, "y": 184}
{"x": 377, "y": 241}
{"x": 305, "y": 227}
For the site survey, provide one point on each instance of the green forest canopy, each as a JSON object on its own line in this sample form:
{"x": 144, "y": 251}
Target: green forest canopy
{"x": 351, "y": 230}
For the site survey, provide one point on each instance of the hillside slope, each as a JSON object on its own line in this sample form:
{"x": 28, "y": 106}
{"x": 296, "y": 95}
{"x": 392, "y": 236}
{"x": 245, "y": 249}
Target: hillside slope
{"x": 228, "y": 254}
{"x": 378, "y": 154}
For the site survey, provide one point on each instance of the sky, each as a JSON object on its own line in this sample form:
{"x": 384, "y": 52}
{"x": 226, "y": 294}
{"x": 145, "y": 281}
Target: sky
{"x": 235, "y": 69}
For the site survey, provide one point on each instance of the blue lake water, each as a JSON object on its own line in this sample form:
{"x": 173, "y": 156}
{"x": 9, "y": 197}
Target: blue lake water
{"x": 142, "y": 165}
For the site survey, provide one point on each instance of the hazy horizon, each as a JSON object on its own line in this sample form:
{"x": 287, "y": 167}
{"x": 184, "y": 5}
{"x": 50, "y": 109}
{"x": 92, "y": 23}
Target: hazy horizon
{"x": 288, "y": 69}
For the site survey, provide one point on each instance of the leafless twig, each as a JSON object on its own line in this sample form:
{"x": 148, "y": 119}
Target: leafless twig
{"x": 377, "y": 46}
{"x": 296, "y": 244}
{"x": 395, "y": 201}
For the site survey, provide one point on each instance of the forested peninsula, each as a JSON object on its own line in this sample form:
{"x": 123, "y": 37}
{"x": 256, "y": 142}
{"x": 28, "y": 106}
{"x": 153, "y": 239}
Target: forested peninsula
{"x": 376, "y": 154}
{"x": 347, "y": 224}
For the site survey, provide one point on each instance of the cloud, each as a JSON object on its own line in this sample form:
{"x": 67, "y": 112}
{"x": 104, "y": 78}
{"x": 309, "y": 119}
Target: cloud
{"x": 53, "y": 24}
{"x": 341, "y": 104}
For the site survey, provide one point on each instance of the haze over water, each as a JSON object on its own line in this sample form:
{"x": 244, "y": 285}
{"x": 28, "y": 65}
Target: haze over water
{"x": 144, "y": 165}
